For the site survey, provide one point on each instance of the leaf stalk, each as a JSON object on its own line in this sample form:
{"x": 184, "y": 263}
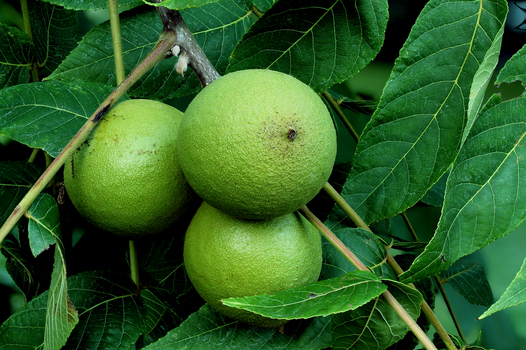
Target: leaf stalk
{"x": 358, "y": 221}
{"x": 116, "y": 39}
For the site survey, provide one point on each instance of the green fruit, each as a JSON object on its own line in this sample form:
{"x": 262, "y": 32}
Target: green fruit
{"x": 126, "y": 177}
{"x": 257, "y": 144}
{"x": 230, "y": 257}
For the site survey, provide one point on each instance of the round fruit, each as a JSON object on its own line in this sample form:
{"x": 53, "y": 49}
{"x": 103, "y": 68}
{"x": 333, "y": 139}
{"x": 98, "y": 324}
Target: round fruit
{"x": 126, "y": 177}
{"x": 257, "y": 144}
{"x": 230, "y": 257}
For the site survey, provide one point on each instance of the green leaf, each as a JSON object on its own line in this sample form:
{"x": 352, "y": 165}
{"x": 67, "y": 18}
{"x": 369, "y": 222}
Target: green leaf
{"x": 44, "y": 229}
{"x": 16, "y": 56}
{"x": 15, "y": 47}
{"x": 206, "y": 329}
{"x": 181, "y": 4}
{"x": 469, "y": 280}
{"x": 159, "y": 320}
{"x": 13, "y": 75}
{"x": 90, "y": 5}
{"x": 16, "y": 178}
{"x": 216, "y": 27}
{"x": 55, "y": 33}
{"x": 364, "y": 244}
{"x": 25, "y": 328}
{"x": 322, "y": 298}
{"x": 112, "y": 315}
{"x": 44, "y": 223}
{"x": 47, "y": 115}
{"x": 435, "y": 195}
{"x": 320, "y": 45}
{"x": 514, "y": 295}
{"x": 416, "y": 131}
{"x": 263, "y": 5}
{"x": 513, "y": 70}
{"x": 375, "y": 325}
{"x": 485, "y": 191}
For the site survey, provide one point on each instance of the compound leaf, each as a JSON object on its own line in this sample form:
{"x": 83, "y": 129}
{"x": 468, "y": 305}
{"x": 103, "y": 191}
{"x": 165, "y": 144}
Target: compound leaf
{"x": 485, "y": 191}
{"x": 416, "y": 131}
{"x": 322, "y": 298}
{"x": 47, "y": 115}
{"x": 319, "y": 44}
{"x": 206, "y": 329}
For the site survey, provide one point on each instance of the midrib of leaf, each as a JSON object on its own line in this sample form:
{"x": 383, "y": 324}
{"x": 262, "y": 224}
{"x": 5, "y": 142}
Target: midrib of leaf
{"x": 31, "y": 217}
{"x": 366, "y": 326}
{"x": 310, "y": 30}
{"x": 48, "y": 29}
{"x": 224, "y": 25}
{"x": 105, "y": 302}
{"x": 434, "y": 119}
{"x": 459, "y": 273}
{"x": 454, "y": 219}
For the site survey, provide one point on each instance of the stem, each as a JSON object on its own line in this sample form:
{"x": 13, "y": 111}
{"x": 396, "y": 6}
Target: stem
{"x": 166, "y": 41}
{"x": 342, "y": 248}
{"x": 438, "y": 282}
{"x": 197, "y": 60}
{"x": 335, "y": 241}
{"x": 134, "y": 265}
{"x": 392, "y": 262}
{"x": 33, "y": 155}
{"x": 415, "y": 328}
{"x": 340, "y": 114}
{"x": 116, "y": 38}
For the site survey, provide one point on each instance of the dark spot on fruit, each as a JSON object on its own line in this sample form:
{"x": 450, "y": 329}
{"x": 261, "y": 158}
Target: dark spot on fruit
{"x": 292, "y": 134}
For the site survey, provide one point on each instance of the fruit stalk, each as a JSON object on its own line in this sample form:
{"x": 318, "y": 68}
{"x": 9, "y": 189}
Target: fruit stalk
{"x": 167, "y": 40}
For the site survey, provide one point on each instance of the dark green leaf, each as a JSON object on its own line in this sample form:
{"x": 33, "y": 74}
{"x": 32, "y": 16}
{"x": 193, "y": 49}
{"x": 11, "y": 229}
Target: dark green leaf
{"x": 206, "y": 329}
{"x": 322, "y": 298}
{"x": 469, "y": 280}
{"x": 319, "y": 44}
{"x": 30, "y": 274}
{"x": 13, "y": 75}
{"x": 112, "y": 315}
{"x": 159, "y": 320}
{"x": 16, "y": 178}
{"x": 263, "y": 5}
{"x": 25, "y": 328}
{"x": 216, "y": 27}
{"x": 16, "y": 48}
{"x": 44, "y": 230}
{"x": 375, "y": 325}
{"x": 485, "y": 191}
{"x": 513, "y": 70}
{"x": 515, "y": 294}
{"x": 90, "y": 5}
{"x": 44, "y": 223}
{"x": 416, "y": 131}
{"x": 181, "y": 4}
{"x": 435, "y": 195}
{"x": 365, "y": 245}
{"x": 54, "y": 31}
{"x": 47, "y": 115}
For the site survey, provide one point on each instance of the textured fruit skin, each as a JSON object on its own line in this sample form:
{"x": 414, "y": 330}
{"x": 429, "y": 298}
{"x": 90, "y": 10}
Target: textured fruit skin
{"x": 257, "y": 144}
{"x": 230, "y": 257}
{"x": 126, "y": 177}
